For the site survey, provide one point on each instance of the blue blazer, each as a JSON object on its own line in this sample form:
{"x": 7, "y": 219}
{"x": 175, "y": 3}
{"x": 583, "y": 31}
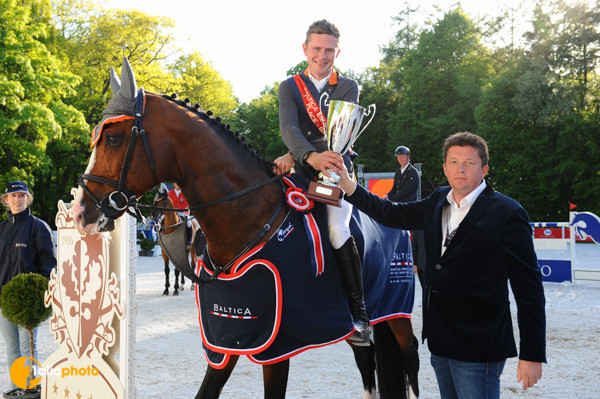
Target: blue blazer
{"x": 466, "y": 311}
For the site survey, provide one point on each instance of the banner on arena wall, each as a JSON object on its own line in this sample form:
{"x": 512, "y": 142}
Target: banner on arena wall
{"x": 555, "y": 271}
{"x": 380, "y": 187}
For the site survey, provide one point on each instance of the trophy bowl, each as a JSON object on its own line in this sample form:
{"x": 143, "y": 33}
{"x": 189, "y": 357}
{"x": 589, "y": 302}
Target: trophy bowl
{"x": 344, "y": 121}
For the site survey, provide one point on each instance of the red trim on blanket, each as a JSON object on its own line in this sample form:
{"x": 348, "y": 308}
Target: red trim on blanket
{"x": 237, "y": 274}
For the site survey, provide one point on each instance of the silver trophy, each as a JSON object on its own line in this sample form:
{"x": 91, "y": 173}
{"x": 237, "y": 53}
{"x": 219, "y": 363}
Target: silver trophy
{"x": 343, "y": 128}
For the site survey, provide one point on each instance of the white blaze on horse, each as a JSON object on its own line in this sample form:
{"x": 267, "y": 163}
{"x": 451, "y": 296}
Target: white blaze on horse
{"x": 264, "y": 251}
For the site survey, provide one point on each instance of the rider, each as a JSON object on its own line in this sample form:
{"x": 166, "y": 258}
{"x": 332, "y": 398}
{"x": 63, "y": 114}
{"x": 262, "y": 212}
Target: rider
{"x": 308, "y": 153}
{"x": 179, "y": 200}
{"x": 180, "y": 203}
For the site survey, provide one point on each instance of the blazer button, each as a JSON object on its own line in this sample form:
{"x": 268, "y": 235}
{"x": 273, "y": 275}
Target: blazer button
{"x": 438, "y": 267}
{"x": 308, "y": 134}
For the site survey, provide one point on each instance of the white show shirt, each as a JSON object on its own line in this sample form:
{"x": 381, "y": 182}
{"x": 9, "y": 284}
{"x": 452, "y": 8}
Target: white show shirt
{"x": 454, "y": 214}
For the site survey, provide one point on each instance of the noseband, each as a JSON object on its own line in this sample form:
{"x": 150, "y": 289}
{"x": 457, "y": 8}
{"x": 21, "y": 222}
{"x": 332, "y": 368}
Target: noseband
{"x": 123, "y": 199}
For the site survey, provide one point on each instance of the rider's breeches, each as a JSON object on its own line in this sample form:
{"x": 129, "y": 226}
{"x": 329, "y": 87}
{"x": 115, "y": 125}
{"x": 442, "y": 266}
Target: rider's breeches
{"x": 339, "y": 223}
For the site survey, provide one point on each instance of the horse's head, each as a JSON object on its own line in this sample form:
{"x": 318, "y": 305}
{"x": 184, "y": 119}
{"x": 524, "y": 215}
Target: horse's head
{"x": 587, "y": 224}
{"x": 118, "y": 171}
{"x": 161, "y": 200}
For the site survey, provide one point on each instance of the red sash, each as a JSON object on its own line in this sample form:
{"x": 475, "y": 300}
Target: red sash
{"x": 312, "y": 106}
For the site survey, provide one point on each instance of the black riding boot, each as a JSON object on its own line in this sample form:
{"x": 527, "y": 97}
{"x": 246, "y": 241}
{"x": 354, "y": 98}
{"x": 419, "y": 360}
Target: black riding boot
{"x": 189, "y": 236}
{"x": 351, "y": 271}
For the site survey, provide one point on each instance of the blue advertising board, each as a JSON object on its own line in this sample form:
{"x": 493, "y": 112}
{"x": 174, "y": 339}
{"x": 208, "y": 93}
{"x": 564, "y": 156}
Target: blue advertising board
{"x": 555, "y": 271}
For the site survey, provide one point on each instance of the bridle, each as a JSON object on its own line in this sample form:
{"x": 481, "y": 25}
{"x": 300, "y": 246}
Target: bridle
{"x": 123, "y": 199}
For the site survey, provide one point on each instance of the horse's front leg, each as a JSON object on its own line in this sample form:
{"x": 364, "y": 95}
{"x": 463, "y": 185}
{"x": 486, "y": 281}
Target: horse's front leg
{"x": 365, "y": 360}
{"x": 275, "y": 378}
{"x": 176, "y": 286}
{"x": 409, "y": 351}
{"x": 167, "y": 284}
{"x": 215, "y": 379}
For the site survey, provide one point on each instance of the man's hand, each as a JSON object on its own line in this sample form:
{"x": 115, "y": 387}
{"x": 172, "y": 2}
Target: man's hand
{"x": 346, "y": 183}
{"x": 529, "y": 373}
{"x": 325, "y": 160}
{"x": 284, "y": 164}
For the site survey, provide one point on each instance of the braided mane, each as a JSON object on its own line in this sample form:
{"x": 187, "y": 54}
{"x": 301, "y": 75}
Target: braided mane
{"x": 220, "y": 127}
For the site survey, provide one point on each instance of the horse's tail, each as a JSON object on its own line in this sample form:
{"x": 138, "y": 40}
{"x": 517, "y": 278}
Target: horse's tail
{"x": 396, "y": 368}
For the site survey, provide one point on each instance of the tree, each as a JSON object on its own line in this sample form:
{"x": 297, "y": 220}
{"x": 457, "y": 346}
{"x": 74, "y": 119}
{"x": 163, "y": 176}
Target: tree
{"x": 441, "y": 81}
{"x": 93, "y": 40}
{"x": 196, "y": 79}
{"x": 540, "y": 133}
{"x": 259, "y": 120}
{"x": 34, "y": 89}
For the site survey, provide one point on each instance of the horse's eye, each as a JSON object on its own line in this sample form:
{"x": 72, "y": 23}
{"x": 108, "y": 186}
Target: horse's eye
{"x": 113, "y": 140}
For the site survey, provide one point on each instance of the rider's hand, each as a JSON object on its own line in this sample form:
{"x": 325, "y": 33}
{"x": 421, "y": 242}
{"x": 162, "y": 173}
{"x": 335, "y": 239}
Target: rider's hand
{"x": 284, "y": 164}
{"x": 322, "y": 161}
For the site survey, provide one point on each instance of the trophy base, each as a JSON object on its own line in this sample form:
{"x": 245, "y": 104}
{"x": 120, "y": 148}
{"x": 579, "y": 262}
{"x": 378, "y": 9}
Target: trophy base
{"x": 330, "y": 195}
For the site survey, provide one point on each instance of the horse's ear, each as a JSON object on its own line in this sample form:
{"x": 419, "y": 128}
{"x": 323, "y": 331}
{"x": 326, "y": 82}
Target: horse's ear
{"x": 115, "y": 82}
{"x": 163, "y": 188}
{"x": 128, "y": 86}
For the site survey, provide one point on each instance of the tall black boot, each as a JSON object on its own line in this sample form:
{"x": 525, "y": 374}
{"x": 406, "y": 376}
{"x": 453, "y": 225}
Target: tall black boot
{"x": 351, "y": 271}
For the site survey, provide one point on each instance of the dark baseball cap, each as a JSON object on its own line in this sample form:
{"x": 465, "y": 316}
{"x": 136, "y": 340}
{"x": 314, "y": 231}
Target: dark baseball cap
{"x": 17, "y": 187}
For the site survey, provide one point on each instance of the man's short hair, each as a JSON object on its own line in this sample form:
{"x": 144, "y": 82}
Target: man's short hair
{"x": 467, "y": 139}
{"x": 321, "y": 27}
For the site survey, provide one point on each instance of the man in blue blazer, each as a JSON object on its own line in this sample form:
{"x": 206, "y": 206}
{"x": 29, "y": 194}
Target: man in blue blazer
{"x": 477, "y": 240}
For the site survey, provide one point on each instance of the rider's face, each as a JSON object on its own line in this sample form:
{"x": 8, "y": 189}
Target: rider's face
{"x": 321, "y": 51}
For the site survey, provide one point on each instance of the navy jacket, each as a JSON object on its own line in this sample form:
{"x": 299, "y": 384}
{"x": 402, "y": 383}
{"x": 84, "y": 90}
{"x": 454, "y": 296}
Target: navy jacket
{"x": 466, "y": 312}
{"x": 405, "y": 185}
{"x": 297, "y": 131}
{"x": 26, "y": 246}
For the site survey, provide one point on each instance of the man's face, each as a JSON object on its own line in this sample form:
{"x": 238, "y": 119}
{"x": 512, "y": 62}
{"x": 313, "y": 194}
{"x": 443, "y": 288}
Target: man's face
{"x": 321, "y": 51}
{"x": 17, "y": 202}
{"x": 403, "y": 159}
{"x": 464, "y": 170}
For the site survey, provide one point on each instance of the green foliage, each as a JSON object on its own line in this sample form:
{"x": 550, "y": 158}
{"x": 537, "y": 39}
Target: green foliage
{"x": 440, "y": 83}
{"x": 146, "y": 244}
{"x": 197, "y": 80}
{"x": 22, "y": 300}
{"x": 259, "y": 120}
{"x": 35, "y": 86}
{"x": 93, "y": 40}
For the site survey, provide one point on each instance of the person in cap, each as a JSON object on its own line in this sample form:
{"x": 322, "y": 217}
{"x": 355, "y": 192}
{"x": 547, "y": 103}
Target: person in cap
{"x": 302, "y": 121}
{"x": 406, "y": 185}
{"x": 406, "y": 179}
{"x": 26, "y": 246}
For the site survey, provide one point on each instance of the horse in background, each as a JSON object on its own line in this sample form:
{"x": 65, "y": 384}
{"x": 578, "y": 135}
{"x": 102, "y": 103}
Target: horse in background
{"x": 168, "y": 221}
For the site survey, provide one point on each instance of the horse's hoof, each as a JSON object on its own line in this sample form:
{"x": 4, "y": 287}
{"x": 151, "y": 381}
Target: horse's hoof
{"x": 175, "y": 293}
{"x": 166, "y": 291}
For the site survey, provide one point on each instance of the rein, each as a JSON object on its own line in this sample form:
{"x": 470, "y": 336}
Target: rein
{"x": 217, "y": 201}
{"x": 222, "y": 269}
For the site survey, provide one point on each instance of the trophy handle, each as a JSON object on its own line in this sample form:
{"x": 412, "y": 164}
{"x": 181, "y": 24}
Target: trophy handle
{"x": 326, "y": 100}
{"x": 368, "y": 113}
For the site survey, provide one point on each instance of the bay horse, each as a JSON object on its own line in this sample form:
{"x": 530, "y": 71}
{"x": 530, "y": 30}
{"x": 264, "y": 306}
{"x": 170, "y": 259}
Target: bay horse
{"x": 169, "y": 223}
{"x": 238, "y": 199}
